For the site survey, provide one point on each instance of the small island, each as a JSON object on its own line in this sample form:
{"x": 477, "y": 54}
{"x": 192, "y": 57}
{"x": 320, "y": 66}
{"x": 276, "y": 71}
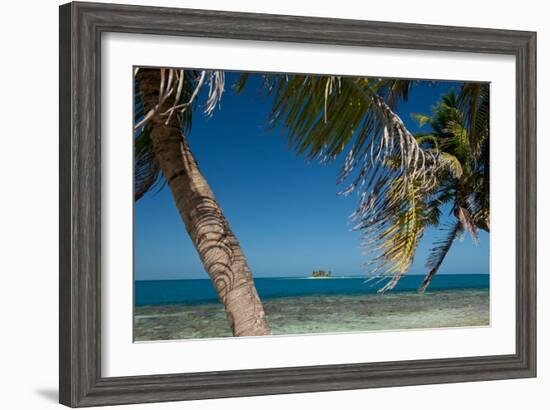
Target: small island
{"x": 321, "y": 274}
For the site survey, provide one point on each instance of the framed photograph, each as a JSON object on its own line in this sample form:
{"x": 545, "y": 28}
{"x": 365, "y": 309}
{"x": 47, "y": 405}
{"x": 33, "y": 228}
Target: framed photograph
{"x": 261, "y": 204}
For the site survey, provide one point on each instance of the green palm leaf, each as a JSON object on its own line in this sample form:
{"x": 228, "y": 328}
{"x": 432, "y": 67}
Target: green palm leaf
{"x": 473, "y": 101}
{"x": 439, "y": 252}
{"x": 463, "y": 174}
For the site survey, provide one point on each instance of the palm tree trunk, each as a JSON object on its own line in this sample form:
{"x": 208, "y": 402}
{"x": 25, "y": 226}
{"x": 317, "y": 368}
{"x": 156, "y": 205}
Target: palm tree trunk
{"x": 204, "y": 220}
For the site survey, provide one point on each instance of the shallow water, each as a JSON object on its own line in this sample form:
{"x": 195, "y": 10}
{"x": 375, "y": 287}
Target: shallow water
{"x": 196, "y": 291}
{"x": 322, "y": 314}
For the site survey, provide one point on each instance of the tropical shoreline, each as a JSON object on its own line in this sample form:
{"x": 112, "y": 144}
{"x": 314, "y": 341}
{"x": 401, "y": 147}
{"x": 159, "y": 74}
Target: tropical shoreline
{"x": 315, "y": 314}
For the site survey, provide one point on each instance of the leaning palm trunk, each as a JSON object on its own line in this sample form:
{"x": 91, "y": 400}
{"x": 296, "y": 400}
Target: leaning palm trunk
{"x": 208, "y": 229}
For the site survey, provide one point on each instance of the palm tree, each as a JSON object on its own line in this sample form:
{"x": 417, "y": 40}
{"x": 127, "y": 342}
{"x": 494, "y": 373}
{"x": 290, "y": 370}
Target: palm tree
{"x": 163, "y": 112}
{"x": 466, "y": 184}
{"x": 401, "y": 180}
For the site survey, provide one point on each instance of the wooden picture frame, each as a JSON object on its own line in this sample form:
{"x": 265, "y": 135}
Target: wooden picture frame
{"x": 81, "y": 27}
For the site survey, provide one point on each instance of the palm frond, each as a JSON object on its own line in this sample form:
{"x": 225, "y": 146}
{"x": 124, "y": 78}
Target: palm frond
{"x": 421, "y": 119}
{"x": 480, "y": 204}
{"x": 241, "y": 82}
{"x": 480, "y": 201}
{"x": 393, "y": 242}
{"x": 439, "y": 252}
{"x": 451, "y": 163}
{"x": 473, "y": 101}
{"x": 395, "y": 91}
{"x": 147, "y": 172}
{"x": 216, "y": 81}
{"x": 325, "y": 114}
{"x": 464, "y": 215}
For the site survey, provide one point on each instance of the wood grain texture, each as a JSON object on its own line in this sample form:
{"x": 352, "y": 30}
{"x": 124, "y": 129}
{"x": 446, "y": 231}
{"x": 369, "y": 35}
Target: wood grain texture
{"x": 81, "y": 25}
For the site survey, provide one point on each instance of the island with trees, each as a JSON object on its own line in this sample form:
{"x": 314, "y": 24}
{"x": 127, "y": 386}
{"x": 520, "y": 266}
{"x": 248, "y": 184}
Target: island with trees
{"x": 321, "y": 274}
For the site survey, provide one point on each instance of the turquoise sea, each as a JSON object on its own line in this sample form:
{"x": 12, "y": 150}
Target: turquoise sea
{"x": 181, "y": 309}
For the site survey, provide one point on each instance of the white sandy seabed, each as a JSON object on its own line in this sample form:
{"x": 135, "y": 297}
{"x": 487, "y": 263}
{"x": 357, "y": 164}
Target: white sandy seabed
{"x": 323, "y": 314}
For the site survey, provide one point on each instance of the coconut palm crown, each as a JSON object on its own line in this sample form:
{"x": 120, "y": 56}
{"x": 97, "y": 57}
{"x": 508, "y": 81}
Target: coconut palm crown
{"x": 464, "y": 182}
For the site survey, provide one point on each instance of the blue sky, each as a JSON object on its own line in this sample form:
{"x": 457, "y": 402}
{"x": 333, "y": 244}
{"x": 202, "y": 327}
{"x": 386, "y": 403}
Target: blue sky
{"x": 284, "y": 211}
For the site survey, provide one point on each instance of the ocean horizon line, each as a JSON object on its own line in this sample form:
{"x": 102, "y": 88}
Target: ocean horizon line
{"x": 366, "y": 277}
